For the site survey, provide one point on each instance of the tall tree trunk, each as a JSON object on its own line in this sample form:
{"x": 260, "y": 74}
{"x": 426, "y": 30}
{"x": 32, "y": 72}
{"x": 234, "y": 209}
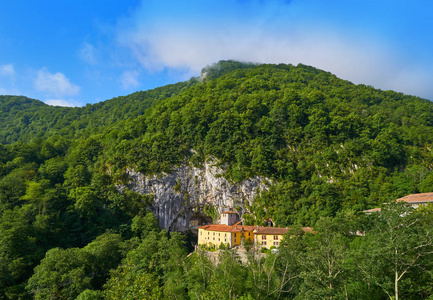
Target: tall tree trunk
{"x": 396, "y": 284}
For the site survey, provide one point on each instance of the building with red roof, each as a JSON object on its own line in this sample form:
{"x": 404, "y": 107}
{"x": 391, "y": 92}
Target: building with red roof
{"x": 415, "y": 200}
{"x": 217, "y": 234}
{"x": 266, "y": 237}
{"x": 232, "y": 235}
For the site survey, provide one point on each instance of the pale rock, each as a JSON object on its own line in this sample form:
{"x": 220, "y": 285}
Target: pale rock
{"x": 176, "y": 206}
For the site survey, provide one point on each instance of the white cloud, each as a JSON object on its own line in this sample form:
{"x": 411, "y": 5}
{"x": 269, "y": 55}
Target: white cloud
{"x": 88, "y": 54}
{"x": 129, "y": 79}
{"x": 10, "y": 91}
{"x": 55, "y": 84}
{"x": 7, "y": 70}
{"x": 7, "y": 84}
{"x": 350, "y": 58}
{"x": 62, "y": 102}
{"x": 284, "y": 33}
{"x": 4, "y": 91}
{"x": 413, "y": 81}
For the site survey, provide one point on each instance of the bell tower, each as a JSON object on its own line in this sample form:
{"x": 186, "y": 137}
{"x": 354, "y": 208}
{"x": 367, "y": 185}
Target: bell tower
{"x": 229, "y": 217}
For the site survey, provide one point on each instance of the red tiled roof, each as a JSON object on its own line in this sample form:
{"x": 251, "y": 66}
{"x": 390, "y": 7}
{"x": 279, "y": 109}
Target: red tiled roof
{"x": 270, "y": 230}
{"x": 308, "y": 229}
{"x": 256, "y": 229}
{"x": 239, "y": 228}
{"x": 276, "y": 230}
{"x": 415, "y": 198}
{"x": 372, "y": 210}
{"x": 229, "y": 212}
{"x": 217, "y": 227}
{"x": 227, "y": 228}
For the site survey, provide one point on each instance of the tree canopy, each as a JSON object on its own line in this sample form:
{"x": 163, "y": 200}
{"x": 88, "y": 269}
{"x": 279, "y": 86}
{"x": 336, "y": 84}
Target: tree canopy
{"x": 329, "y": 148}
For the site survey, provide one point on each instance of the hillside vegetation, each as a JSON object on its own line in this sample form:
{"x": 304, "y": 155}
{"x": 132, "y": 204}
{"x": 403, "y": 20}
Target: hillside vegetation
{"x": 329, "y": 147}
{"x": 327, "y": 144}
{"x": 22, "y": 119}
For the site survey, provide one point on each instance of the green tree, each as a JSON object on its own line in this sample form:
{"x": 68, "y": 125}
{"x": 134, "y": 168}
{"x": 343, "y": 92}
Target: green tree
{"x": 90, "y": 295}
{"x": 62, "y": 274}
{"x": 105, "y": 253}
{"x": 199, "y": 273}
{"x": 228, "y": 278}
{"x": 11, "y": 190}
{"x": 143, "y": 225}
{"x": 19, "y": 251}
{"x": 397, "y": 250}
{"x": 323, "y": 261}
{"x": 126, "y": 283}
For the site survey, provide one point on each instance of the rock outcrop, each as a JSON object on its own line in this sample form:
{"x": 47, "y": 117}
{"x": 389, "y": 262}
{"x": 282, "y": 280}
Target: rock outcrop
{"x": 186, "y": 197}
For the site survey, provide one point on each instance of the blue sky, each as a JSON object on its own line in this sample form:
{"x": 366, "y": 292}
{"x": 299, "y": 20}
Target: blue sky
{"x": 73, "y": 52}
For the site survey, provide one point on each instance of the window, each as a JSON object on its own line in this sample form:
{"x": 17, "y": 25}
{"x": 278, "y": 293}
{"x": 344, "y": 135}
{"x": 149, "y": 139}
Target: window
{"x": 275, "y": 237}
{"x": 219, "y": 234}
{"x": 214, "y": 239}
{"x": 225, "y": 234}
{"x": 214, "y": 233}
{"x": 208, "y": 233}
{"x": 201, "y": 232}
{"x": 263, "y": 243}
{"x": 263, "y": 237}
{"x": 249, "y": 233}
{"x": 276, "y": 243}
{"x": 235, "y": 240}
{"x": 218, "y": 239}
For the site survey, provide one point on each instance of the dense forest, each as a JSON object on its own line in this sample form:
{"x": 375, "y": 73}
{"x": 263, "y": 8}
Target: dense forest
{"x": 329, "y": 149}
{"x": 23, "y": 119}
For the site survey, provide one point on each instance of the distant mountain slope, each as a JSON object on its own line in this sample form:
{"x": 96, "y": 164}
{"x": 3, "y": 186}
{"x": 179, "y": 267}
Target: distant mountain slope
{"x": 291, "y": 143}
{"x": 327, "y": 143}
{"x": 22, "y": 119}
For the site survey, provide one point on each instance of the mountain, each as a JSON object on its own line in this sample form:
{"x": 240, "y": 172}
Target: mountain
{"x": 290, "y": 143}
{"x": 323, "y": 141}
{"x": 22, "y": 118}
{"x": 326, "y": 144}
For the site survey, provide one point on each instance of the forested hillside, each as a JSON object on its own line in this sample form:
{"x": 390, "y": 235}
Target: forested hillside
{"x": 329, "y": 148}
{"x": 326, "y": 143}
{"x": 22, "y": 119}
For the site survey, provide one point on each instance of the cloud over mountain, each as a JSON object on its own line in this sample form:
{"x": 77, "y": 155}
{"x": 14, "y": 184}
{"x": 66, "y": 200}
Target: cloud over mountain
{"x": 56, "y": 84}
{"x": 189, "y": 35}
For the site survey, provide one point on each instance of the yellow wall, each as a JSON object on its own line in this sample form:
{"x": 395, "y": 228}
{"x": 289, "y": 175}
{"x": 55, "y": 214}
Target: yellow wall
{"x": 270, "y": 239}
{"x": 238, "y": 236}
{"x": 215, "y": 238}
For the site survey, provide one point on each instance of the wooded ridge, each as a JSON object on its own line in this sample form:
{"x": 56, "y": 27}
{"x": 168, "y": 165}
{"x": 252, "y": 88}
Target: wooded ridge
{"x": 329, "y": 148}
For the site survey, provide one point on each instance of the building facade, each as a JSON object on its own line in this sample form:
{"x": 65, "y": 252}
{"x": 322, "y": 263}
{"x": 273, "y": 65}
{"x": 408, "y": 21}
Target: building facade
{"x": 233, "y": 234}
{"x": 267, "y": 237}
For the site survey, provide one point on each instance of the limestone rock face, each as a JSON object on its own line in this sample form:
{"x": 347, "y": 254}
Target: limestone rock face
{"x": 181, "y": 197}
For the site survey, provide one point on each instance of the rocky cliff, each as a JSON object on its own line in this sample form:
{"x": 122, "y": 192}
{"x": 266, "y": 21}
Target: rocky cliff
{"x": 191, "y": 196}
